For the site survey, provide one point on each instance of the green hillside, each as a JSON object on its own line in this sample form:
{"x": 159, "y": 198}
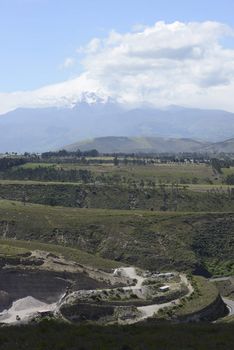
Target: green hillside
{"x": 121, "y": 196}
{"x": 115, "y": 144}
{"x": 153, "y": 240}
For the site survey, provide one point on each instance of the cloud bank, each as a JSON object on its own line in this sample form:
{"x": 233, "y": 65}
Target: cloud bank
{"x": 178, "y": 63}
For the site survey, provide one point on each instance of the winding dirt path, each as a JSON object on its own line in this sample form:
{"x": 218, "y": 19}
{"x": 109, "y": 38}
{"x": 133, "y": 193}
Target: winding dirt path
{"x": 150, "y": 310}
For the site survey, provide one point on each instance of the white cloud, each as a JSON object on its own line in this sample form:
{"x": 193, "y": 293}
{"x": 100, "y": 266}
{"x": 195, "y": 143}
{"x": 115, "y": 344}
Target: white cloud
{"x": 68, "y": 63}
{"x": 63, "y": 94}
{"x": 177, "y": 63}
{"x": 139, "y": 27}
{"x": 92, "y": 47}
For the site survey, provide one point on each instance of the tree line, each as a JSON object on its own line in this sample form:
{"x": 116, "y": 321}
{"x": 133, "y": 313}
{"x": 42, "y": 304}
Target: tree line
{"x": 48, "y": 174}
{"x": 7, "y": 163}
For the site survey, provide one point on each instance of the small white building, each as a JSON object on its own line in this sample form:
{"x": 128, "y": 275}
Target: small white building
{"x": 164, "y": 288}
{"x": 117, "y": 272}
{"x": 166, "y": 274}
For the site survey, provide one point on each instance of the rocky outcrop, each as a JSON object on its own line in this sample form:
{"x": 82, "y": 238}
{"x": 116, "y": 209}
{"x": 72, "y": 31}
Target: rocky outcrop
{"x": 86, "y": 312}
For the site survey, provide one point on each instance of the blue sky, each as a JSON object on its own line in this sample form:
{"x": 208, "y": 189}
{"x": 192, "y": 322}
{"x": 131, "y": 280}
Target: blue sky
{"x": 156, "y": 52}
{"x": 36, "y": 36}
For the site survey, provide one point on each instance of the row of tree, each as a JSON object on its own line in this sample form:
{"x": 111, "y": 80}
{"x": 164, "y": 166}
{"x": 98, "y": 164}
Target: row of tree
{"x": 7, "y": 163}
{"x": 48, "y": 174}
{"x": 64, "y": 154}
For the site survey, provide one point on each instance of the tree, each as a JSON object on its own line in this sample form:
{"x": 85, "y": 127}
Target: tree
{"x": 216, "y": 165}
{"x": 116, "y": 161}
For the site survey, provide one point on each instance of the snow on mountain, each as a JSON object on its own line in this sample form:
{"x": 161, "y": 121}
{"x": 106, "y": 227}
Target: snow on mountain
{"x": 97, "y": 115}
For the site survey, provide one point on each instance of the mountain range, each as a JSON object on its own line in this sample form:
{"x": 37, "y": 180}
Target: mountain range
{"x": 43, "y": 129}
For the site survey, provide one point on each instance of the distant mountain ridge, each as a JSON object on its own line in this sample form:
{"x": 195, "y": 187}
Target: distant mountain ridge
{"x": 43, "y": 129}
{"x": 226, "y": 146}
{"x": 113, "y": 144}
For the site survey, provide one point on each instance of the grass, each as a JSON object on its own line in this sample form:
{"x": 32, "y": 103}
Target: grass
{"x": 225, "y": 287}
{"x": 228, "y": 171}
{"x": 124, "y": 187}
{"x": 164, "y": 172}
{"x": 206, "y": 187}
{"x": 36, "y": 165}
{"x": 205, "y": 293}
{"x": 32, "y": 182}
{"x": 9, "y": 250}
{"x": 194, "y": 187}
{"x": 168, "y": 173}
{"x": 13, "y": 248}
{"x": 198, "y": 237}
{"x": 220, "y": 268}
{"x": 155, "y": 240}
{"x": 120, "y": 196}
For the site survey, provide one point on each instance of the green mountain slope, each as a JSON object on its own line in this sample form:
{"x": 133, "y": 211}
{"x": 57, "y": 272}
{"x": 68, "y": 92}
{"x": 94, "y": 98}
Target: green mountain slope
{"x": 226, "y": 146}
{"x": 113, "y": 144}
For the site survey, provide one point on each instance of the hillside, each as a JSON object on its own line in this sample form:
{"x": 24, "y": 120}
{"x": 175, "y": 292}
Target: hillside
{"x": 115, "y": 144}
{"x": 43, "y": 129}
{"x": 138, "y": 144}
{"x": 226, "y": 146}
{"x": 166, "y": 198}
{"x": 202, "y": 242}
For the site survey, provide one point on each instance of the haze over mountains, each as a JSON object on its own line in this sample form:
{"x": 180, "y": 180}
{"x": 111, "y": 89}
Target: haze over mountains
{"x": 43, "y": 129}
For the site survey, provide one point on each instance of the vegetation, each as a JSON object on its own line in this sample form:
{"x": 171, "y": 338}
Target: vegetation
{"x": 124, "y": 196}
{"x": 225, "y": 287}
{"x": 157, "y": 212}
{"x": 153, "y": 240}
{"x": 66, "y": 154}
{"x": 120, "y": 183}
{"x": 51, "y": 335}
{"x": 205, "y": 293}
{"x": 8, "y": 249}
{"x": 47, "y": 173}
{"x": 230, "y": 179}
{"x": 112, "y": 170}
{"x": 167, "y": 169}
{"x": 14, "y": 248}
{"x": 7, "y": 163}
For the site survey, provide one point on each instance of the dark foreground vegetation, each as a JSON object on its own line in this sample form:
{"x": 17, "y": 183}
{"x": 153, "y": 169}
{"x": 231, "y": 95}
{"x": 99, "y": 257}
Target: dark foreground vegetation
{"x": 49, "y": 335}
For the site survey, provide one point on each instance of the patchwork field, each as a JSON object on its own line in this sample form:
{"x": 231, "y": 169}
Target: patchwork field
{"x": 181, "y": 173}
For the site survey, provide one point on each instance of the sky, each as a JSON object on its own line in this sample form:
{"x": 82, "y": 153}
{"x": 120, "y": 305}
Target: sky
{"x": 136, "y": 51}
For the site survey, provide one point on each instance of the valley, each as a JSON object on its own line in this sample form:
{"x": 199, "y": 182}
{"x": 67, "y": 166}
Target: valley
{"x": 106, "y": 240}
{"x": 116, "y": 175}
